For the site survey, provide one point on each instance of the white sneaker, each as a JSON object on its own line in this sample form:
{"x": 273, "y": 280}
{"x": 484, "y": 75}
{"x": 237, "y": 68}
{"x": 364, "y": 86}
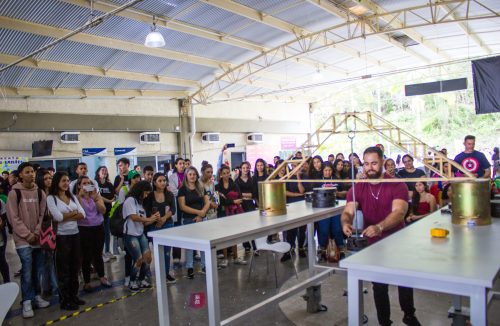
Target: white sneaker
{"x": 110, "y": 255}
{"x": 220, "y": 256}
{"x": 105, "y": 258}
{"x": 240, "y": 261}
{"x": 127, "y": 281}
{"x": 40, "y": 303}
{"x": 27, "y": 309}
{"x": 223, "y": 263}
{"x": 145, "y": 285}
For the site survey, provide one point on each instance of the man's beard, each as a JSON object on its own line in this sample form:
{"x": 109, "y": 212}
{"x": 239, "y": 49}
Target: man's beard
{"x": 372, "y": 174}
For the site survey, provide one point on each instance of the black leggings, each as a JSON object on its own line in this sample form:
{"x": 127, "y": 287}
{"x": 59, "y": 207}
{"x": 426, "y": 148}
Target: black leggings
{"x": 382, "y": 303}
{"x": 297, "y": 233}
{"x": 92, "y": 243}
{"x": 68, "y": 265}
{"x": 4, "y": 266}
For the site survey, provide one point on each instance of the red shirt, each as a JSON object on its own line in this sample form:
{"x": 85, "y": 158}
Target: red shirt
{"x": 375, "y": 201}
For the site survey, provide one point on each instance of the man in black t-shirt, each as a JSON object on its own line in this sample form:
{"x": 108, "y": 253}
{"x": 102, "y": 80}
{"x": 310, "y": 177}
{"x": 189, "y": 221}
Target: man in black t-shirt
{"x": 122, "y": 178}
{"x": 473, "y": 161}
{"x": 409, "y": 171}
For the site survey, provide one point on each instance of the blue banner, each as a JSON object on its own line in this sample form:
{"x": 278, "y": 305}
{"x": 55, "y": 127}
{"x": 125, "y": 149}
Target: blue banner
{"x": 119, "y": 151}
{"x": 101, "y": 151}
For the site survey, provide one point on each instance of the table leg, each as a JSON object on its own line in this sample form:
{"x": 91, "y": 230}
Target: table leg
{"x": 161, "y": 284}
{"x": 478, "y": 308}
{"x": 212, "y": 287}
{"x": 354, "y": 300}
{"x": 311, "y": 249}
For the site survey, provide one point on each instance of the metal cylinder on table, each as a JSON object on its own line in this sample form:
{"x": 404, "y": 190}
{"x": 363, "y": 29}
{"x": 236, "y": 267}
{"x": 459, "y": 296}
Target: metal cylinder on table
{"x": 272, "y": 198}
{"x": 470, "y": 202}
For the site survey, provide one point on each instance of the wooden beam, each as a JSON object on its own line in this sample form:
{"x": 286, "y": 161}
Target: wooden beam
{"x": 78, "y": 92}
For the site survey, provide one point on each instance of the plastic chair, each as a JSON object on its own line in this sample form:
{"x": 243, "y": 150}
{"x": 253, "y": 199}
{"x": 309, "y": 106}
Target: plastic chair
{"x": 8, "y": 293}
{"x": 276, "y": 247}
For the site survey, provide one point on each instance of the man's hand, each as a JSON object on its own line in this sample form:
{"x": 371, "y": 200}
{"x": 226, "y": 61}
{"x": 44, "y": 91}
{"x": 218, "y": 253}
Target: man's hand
{"x": 237, "y": 201}
{"x": 32, "y": 238}
{"x": 198, "y": 219}
{"x": 347, "y": 229}
{"x": 372, "y": 231}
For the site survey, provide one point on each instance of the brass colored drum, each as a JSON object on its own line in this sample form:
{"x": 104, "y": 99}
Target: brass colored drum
{"x": 470, "y": 202}
{"x": 272, "y": 199}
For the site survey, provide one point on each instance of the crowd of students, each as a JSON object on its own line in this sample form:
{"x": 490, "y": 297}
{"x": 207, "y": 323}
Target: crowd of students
{"x": 36, "y": 201}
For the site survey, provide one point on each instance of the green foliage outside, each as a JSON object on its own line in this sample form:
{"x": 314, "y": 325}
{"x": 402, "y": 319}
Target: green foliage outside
{"x": 440, "y": 120}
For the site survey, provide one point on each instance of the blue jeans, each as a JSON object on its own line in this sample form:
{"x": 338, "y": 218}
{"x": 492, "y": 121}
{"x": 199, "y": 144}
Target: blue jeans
{"x": 137, "y": 246}
{"x": 31, "y": 272}
{"x": 330, "y": 228}
{"x": 189, "y": 252}
{"x": 167, "y": 225}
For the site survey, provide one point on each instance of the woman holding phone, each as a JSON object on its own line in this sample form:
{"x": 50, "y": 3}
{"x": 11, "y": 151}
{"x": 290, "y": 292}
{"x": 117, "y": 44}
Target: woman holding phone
{"x": 91, "y": 230}
{"x": 161, "y": 201}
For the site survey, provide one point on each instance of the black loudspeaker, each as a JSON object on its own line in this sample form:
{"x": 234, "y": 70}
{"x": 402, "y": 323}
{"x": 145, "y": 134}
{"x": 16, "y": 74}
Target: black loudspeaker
{"x": 436, "y": 87}
{"x": 486, "y": 81}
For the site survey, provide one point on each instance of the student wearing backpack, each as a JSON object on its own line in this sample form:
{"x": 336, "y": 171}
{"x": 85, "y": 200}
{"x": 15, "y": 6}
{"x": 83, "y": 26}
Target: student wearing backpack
{"x": 67, "y": 211}
{"x": 25, "y": 210}
{"x": 91, "y": 231}
{"x": 136, "y": 242}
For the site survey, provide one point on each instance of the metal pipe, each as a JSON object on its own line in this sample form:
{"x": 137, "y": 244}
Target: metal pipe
{"x": 193, "y": 131}
{"x": 92, "y": 23}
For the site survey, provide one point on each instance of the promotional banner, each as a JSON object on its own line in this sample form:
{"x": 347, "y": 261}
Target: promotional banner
{"x": 11, "y": 163}
{"x": 120, "y": 151}
{"x": 288, "y": 143}
{"x": 101, "y": 151}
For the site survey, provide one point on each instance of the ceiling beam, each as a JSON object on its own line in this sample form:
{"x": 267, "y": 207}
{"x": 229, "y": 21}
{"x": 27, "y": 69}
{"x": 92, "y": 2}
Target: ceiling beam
{"x": 179, "y": 26}
{"x": 397, "y": 23}
{"x": 238, "y": 9}
{"x": 346, "y": 15}
{"x": 465, "y": 28}
{"x": 45, "y": 30}
{"x": 78, "y": 92}
{"x": 95, "y": 71}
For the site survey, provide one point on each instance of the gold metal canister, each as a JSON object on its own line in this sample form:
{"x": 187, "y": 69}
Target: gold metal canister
{"x": 470, "y": 202}
{"x": 272, "y": 198}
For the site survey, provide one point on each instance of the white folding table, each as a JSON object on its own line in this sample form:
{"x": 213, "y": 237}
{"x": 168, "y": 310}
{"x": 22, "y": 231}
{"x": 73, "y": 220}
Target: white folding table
{"x": 213, "y": 235}
{"x": 466, "y": 263}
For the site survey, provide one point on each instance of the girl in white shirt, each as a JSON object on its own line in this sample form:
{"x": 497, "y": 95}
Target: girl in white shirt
{"x": 66, "y": 210}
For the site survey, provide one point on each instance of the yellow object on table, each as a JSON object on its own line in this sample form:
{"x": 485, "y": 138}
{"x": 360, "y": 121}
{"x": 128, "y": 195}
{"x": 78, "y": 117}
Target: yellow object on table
{"x": 439, "y": 233}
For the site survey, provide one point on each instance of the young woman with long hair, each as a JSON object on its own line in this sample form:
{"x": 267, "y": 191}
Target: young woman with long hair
{"x": 91, "y": 231}
{"x": 422, "y": 202}
{"x": 107, "y": 191}
{"x": 194, "y": 204}
{"x": 174, "y": 184}
{"x": 161, "y": 200}
{"x": 230, "y": 204}
{"x": 207, "y": 180}
{"x": 390, "y": 168}
{"x": 135, "y": 240}
{"x": 245, "y": 183}
{"x": 67, "y": 211}
{"x": 259, "y": 174}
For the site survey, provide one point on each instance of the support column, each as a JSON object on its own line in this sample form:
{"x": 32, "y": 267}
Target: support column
{"x": 184, "y": 123}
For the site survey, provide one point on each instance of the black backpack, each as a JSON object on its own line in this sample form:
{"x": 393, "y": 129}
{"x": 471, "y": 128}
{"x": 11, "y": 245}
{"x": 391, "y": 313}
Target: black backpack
{"x": 116, "y": 222}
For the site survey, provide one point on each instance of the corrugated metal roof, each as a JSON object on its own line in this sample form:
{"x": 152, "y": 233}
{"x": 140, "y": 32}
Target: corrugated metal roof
{"x": 308, "y": 16}
{"x": 80, "y": 54}
{"x": 20, "y": 43}
{"x": 14, "y": 77}
{"x": 141, "y": 63}
{"x": 167, "y": 8}
{"x": 45, "y": 79}
{"x": 269, "y": 6}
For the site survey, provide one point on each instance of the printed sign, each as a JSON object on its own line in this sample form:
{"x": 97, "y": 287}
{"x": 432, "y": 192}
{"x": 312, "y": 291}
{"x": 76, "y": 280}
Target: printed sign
{"x": 288, "y": 143}
{"x": 119, "y": 151}
{"x": 94, "y": 151}
{"x": 11, "y": 163}
{"x": 197, "y": 300}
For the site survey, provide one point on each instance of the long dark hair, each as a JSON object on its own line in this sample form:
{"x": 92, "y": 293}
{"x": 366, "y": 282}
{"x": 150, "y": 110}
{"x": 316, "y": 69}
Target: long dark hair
{"x": 415, "y": 199}
{"x": 177, "y": 161}
{"x": 260, "y": 160}
{"x": 249, "y": 165}
{"x": 97, "y": 178}
{"x": 338, "y": 174}
{"x": 40, "y": 178}
{"x": 312, "y": 172}
{"x": 138, "y": 190}
{"x": 168, "y": 195}
{"x": 79, "y": 183}
{"x": 329, "y": 165}
{"x": 54, "y": 187}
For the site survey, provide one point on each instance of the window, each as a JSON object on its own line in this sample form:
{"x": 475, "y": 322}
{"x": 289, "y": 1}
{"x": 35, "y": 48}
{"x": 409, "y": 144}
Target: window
{"x": 165, "y": 159}
{"x": 146, "y": 160}
{"x": 69, "y": 166}
{"x": 44, "y": 164}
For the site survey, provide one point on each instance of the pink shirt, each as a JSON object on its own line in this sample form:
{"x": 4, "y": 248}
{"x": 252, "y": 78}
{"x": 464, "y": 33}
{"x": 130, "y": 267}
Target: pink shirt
{"x": 375, "y": 201}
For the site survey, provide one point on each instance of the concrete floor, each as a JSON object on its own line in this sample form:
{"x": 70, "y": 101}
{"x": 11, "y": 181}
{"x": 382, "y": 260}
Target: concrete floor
{"x": 237, "y": 293}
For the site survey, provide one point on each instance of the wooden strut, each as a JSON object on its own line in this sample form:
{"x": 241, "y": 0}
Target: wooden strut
{"x": 379, "y": 125}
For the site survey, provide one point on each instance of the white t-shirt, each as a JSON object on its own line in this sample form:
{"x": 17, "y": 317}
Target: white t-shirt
{"x": 57, "y": 208}
{"x": 132, "y": 207}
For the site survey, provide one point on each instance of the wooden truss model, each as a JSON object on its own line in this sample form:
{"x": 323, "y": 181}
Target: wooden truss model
{"x": 432, "y": 159}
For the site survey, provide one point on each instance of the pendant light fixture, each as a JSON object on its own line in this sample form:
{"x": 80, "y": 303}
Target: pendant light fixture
{"x": 154, "y": 39}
